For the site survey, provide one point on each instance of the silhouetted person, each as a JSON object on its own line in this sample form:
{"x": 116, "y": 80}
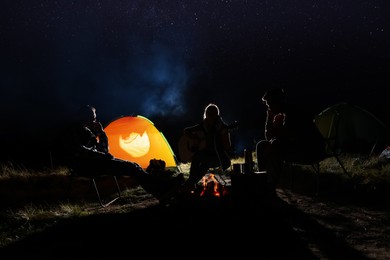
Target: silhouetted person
{"x": 88, "y": 154}
{"x": 290, "y": 135}
{"x": 211, "y": 143}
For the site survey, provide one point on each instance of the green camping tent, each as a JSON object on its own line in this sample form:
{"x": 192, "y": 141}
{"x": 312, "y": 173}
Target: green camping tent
{"x": 358, "y": 131}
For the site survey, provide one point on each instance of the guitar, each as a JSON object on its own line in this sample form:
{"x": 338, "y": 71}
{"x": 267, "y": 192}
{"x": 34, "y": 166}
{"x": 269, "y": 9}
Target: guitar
{"x": 188, "y": 146}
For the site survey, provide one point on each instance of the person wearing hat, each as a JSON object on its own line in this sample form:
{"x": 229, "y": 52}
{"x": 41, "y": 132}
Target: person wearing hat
{"x": 290, "y": 134}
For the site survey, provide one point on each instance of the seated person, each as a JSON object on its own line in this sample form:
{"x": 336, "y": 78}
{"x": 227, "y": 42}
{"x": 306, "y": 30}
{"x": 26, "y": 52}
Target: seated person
{"x": 290, "y": 135}
{"x": 88, "y": 153}
{"x": 211, "y": 142}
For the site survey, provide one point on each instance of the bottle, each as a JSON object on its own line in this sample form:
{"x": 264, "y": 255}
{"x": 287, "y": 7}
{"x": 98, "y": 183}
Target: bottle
{"x": 248, "y": 161}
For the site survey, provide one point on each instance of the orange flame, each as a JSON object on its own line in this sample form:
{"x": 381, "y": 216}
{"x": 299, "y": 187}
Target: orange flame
{"x": 210, "y": 182}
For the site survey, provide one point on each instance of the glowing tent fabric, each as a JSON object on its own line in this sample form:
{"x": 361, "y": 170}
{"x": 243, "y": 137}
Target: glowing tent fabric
{"x": 136, "y": 139}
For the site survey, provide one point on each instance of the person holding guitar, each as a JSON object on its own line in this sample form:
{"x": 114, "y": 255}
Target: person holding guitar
{"x": 209, "y": 142}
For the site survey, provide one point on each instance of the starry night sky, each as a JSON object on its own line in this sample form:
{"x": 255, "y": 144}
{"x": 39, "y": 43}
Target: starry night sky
{"x": 167, "y": 59}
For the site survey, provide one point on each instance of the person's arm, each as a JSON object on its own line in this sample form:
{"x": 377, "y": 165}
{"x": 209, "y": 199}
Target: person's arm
{"x": 223, "y": 132}
{"x": 225, "y": 138}
{"x": 101, "y": 136}
{"x": 102, "y": 141}
{"x": 89, "y": 152}
{"x": 274, "y": 124}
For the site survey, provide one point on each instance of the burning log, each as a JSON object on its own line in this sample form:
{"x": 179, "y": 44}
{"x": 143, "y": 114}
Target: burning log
{"x": 212, "y": 186}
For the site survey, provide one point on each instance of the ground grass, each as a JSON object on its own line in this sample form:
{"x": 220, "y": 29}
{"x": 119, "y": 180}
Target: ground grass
{"x": 19, "y": 222}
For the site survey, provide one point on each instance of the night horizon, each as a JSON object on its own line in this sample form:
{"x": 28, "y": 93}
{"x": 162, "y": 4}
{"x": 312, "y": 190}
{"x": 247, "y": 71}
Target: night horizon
{"x": 166, "y": 61}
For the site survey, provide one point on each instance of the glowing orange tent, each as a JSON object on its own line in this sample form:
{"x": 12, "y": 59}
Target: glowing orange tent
{"x": 136, "y": 139}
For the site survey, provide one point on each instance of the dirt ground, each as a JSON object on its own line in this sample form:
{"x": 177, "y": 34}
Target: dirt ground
{"x": 243, "y": 223}
{"x": 362, "y": 228}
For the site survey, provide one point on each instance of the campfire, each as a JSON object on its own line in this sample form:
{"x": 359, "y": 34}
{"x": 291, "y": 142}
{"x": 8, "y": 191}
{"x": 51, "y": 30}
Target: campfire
{"x": 213, "y": 186}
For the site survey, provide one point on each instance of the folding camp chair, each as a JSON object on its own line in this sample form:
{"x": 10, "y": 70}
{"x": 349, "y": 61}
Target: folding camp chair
{"x": 94, "y": 179}
{"x": 328, "y": 128}
{"x": 330, "y": 134}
